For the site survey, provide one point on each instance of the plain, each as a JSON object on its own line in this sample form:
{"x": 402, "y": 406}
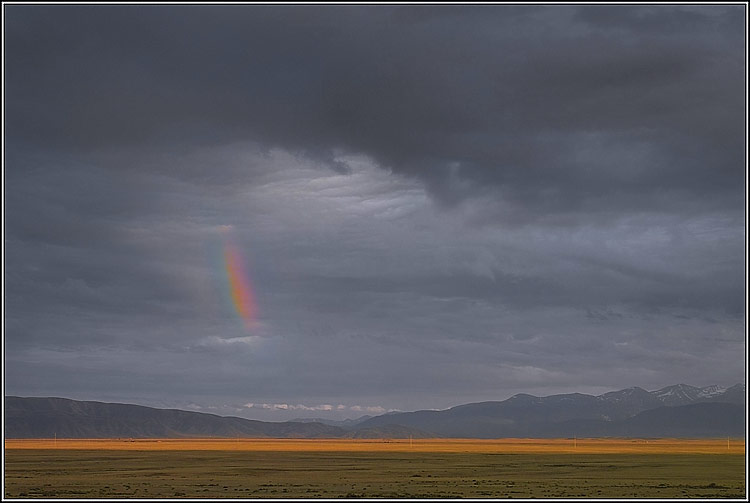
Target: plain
{"x": 404, "y": 468}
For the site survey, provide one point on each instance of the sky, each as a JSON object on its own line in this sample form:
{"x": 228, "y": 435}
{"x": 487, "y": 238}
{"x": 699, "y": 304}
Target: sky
{"x": 282, "y": 211}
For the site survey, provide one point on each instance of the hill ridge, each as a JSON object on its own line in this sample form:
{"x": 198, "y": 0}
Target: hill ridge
{"x": 677, "y": 410}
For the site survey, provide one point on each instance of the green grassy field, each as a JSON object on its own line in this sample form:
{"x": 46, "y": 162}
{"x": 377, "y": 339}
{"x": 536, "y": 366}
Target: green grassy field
{"x": 268, "y": 474}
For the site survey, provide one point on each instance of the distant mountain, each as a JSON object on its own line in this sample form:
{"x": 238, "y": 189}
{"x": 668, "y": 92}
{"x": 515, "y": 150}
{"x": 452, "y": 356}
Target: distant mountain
{"x": 48, "y": 417}
{"x": 736, "y": 394}
{"x": 626, "y": 403}
{"x": 683, "y": 394}
{"x": 674, "y": 411}
{"x": 610, "y": 414}
{"x": 703, "y": 419}
{"x": 345, "y": 423}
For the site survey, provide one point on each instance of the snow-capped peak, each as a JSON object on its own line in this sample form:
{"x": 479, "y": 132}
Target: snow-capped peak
{"x": 678, "y": 393}
{"x": 712, "y": 390}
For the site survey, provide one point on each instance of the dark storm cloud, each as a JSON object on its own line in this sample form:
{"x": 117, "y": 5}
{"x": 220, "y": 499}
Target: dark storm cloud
{"x": 451, "y": 202}
{"x": 552, "y": 107}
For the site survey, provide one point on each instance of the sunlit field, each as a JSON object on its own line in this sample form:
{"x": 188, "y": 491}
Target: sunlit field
{"x": 448, "y": 468}
{"x": 506, "y": 446}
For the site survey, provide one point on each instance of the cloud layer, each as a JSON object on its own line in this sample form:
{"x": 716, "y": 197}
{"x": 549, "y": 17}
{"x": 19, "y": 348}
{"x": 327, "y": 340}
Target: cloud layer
{"x": 435, "y": 204}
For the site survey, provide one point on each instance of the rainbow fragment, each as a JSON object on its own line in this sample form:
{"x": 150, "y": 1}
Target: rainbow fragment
{"x": 240, "y": 287}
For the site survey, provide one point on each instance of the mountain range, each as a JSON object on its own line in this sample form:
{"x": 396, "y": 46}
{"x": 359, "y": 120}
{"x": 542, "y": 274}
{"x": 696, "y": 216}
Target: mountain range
{"x": 674, "y": 411}
{"x": 628, "y": 412}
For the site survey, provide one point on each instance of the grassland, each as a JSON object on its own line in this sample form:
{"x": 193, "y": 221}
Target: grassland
{"x": 272, "y": 468}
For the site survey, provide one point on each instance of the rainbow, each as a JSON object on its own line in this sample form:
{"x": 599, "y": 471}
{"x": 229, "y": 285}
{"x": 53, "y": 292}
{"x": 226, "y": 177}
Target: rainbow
{"x": 240, "y": 287}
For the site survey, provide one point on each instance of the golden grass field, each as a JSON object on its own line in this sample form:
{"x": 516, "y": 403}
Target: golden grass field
{"x": 506, "y": 445}
{"x": 336, "y": 468}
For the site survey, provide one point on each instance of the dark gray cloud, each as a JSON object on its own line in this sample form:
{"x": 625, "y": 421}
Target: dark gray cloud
{"x": 552, "y": 106}
{"x": 436, "y": 204}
